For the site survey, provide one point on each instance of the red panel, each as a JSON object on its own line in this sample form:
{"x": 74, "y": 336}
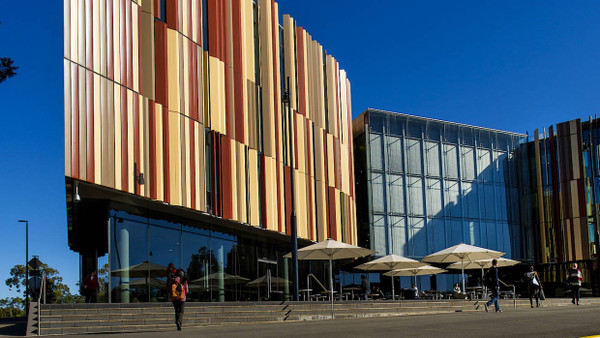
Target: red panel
{"x": 193, "y": 53}
{"x": 288, "y": 199}
{"x": 156, "y": 5}
{"x": 263, "y": 191}
{"x": 225, "y": 58}
{"x": 337, "y": 99}
{"x": 124, "y": 148}
{"x": 274, "y": 33}
{"x": 160, "y": 49}
{"x": 332, "y": 214}
{"x": 139, "y": 48}
{"x": 75, "y": 120}
{"x": 310, "y": 150}
{"x": 325, "y": 154}
{"x": 214, "y": 41}
{"x": 129, "y": 28}
{"x": 280, "y": 227}
{"x": 310, "y": 208}
{"x": 349, "y": 218}
{"x": 301, "y": 70}
{"x": 89, "y": 89}
{"x": 215, "y": 173}
{"x": 337, "y": 170}
{"x": 166, "y": 154}
{"x": 172, "y": 12}
{"x": 152, "y": 150}
{"x": 193, "y": 164}
{"x": 293, "y": 124}
{"x": 227, "y": 177}
{"x": 136, "y": 135}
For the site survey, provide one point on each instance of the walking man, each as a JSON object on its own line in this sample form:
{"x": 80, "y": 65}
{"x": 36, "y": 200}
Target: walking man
{"x": 575, "y": 278}
{"x": 493, "y": 284}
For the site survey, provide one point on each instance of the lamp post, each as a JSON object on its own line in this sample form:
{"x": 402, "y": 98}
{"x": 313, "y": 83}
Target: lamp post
{"x": 26, "y": 264}
{"x": 294, "y": 233}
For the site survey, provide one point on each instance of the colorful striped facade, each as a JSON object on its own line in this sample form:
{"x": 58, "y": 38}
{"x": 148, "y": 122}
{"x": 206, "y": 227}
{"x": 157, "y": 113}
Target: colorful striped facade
{"x": 190, "y": 92}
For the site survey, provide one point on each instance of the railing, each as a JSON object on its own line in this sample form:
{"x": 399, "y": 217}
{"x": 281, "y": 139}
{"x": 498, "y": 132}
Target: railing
{"x": 316, "y": 280}
{"x": 42, "y": 292}
{"x": 513, "y": 291}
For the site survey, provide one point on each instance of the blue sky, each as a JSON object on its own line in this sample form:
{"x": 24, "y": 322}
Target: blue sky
{"x": 513, "y": 65}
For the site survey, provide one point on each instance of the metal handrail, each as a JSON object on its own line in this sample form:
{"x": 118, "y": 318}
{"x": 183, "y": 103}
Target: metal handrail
{"x": 513, "y": 290}
{"x": 42, "y": 292}
{"x": 316, "y": 280}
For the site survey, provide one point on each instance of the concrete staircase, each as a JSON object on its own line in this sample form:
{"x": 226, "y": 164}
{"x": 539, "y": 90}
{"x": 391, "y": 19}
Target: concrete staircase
{"x": 95, "y": 318}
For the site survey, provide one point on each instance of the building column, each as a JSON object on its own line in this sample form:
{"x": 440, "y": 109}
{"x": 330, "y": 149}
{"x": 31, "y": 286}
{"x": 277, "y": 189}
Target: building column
{"x": 124, "y": 257}
{"x": 220, "y": 274}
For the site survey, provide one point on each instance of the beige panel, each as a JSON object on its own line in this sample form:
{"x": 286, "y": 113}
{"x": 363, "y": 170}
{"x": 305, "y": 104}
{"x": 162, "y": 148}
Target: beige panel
{"x": 67, "y": 81}
{"x": 201, "y": 86}
{"x": 234, "y": 146}
{"x": 338, "y": 211}
{"x": 186, "y": 164}
{"x": 311, "y": 211}
{"x": 117, "y": 40}
{"x": 241, "y": 184}
{"x": 160, "y": 178}
{"x": 95, "y": 35}
{"x": 118, "y": 141}
{"x": 300, "y": 142}
{"x": 173, "y": 70}
{"x": 217, "y": 95}
{"x": 268, "y": 86}
{"x": 281, "y": 182}
{"x": 289, "y": 32}
{"x": 253, "y": 186}
{"x": 147, "y": 6}
{"x": 105, "y": 116}
{"x": 247, "y": 14}
{"x": 130, "y": 139}
{"x": 332, "y": 87}
{"x": 185, "y": 76}
{"x": 102, "y": 32}
{"x": 175, "y": 157}
{"x": 301, "y": 204}
{"x": 97, "y": 131}
{"x": 319, "y": 165}
{"x": 82, "y": 124}
{"x": 147, "y": 67}
{"x": 200, "y": 177}
{"x": 270, "y": 194}
{"x": 195, "y": 24}
{"x": 321, "y": 211}
{"x": 145, "y": 143}
{"x": 70, "y": 29}
{"x": 344, "y": 166}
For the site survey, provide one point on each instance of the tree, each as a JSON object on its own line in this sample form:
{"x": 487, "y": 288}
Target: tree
{"x": 7, "y": 69}
{"x": 56, "y": 291}
{"x": 11, "y": 307}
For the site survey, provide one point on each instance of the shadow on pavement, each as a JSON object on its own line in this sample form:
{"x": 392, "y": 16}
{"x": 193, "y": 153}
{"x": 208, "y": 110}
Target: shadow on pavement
{"x": 12, "y": 326}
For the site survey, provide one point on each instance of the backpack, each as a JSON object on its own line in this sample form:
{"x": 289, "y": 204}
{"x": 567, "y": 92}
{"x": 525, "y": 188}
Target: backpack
{"x": 177, "y": 293}
{"x": 532, "y": 280}
{"x": 488, "y": 279}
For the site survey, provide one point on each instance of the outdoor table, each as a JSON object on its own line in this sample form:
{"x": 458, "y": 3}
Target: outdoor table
{"x": 305, "y": 293}
{"x": 474, "y": 291}
{"x": 352, "y": 289}
{"x": 328, "y": 293}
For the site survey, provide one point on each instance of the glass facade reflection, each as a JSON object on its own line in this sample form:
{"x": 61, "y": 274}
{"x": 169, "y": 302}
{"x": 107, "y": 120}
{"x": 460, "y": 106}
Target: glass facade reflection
{"x": 427, "y": 184}
{"x": 221, "y": 266}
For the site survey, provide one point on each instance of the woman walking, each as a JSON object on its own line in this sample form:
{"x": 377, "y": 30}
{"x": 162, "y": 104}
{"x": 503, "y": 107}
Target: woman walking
{"x": 179, "y": 290}
{"x": 534, "y": 287}
{"x": 575, "y": 278}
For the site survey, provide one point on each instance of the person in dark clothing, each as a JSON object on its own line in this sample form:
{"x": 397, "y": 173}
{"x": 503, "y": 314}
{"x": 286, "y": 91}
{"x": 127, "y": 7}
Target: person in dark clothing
{"x": 575, "y": 278}
{"x": 493, "y": 284}
{"x": 90, "y": 287}
{"x": 365, "y": 287}
{"x": 179, "y": 290}
{"x": 534, "y": 286}
{"x": 170, "y": 274}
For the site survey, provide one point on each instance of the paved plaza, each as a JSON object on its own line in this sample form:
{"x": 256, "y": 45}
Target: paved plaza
{"x": 559, "y": 321}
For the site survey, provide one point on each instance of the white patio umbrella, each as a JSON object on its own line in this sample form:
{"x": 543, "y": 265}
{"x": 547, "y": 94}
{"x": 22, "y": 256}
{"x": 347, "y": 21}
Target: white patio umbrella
{"x": 215, "y": 277}
{"x": 419, "y": 271}
{"x": 389, "y": 263}
{"x": 461, "y": 253}
{"x": 331, "y": 250}
{"x": 483, "y": 263}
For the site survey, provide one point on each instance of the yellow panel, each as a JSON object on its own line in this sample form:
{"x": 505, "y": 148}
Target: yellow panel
{"x": 268, "y": 87}
{"x": 301, "y": 212}
{"x": 147, "y": 6}
{"x": 319, "y": 157}
{"x": 173, "y": 69}
{"x": 234, "y": 178}
{"x": 95, "y": 36}
{"x": 344, "y": 165}
{"x": 253, "y": 186}
{"x": 145, "y": 144}
{"x": 175, "y": 157}
{"x": 321, "y": 211}
{"x": 185, "y": 77}
{"x": 247, "y": 14}
{"x": 105, "y": 129}
{"x": 338, "y": 211}
{"x": 310, "y": 200}
{"x": 102, "y": 36}
{"x": 118, "y": 141}
{"x": 301, "y": 143}
{"x": 147, "y": 55}
{"x": 68, "y": 118}
{"x": 289, "y": 33}
{"x": 160, "y": 178}
{"x": 67, "y": 28}
{"x": 217, "y": 95}
{"x": 97, "y": 131}
{"x": 199, "y": 166}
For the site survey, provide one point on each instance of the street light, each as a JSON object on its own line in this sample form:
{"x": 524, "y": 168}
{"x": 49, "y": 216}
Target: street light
{"x": 26, "y": 264}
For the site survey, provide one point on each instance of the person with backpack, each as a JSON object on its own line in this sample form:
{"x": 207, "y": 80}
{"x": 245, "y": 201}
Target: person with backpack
{"x": 575, "y": 277}
{"x": 170, "y": 273}
{"x": 493, "y": 283}
{"x": 534, "y": 286}
{"x": 179, "y": 290}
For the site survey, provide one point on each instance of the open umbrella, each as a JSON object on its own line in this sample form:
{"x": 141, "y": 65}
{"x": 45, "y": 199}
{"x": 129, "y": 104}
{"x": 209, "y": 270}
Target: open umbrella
{"x": 215, "y": 277}
{"x": 388, "y": 263}
{"x": 331, "y": 250}
{"x": 263, "y": 280}
{"x": 142, "y": 270}
{"x": 419, "y": 271}
{"x": 461, "y": 253}
{"x": 483, "y": 263}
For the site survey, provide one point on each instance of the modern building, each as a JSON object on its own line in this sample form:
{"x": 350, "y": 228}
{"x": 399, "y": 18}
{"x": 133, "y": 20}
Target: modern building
{"x": 425, "y": 184}
{"x": 559, "y": 168}
{"x": 181, "y": 143}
